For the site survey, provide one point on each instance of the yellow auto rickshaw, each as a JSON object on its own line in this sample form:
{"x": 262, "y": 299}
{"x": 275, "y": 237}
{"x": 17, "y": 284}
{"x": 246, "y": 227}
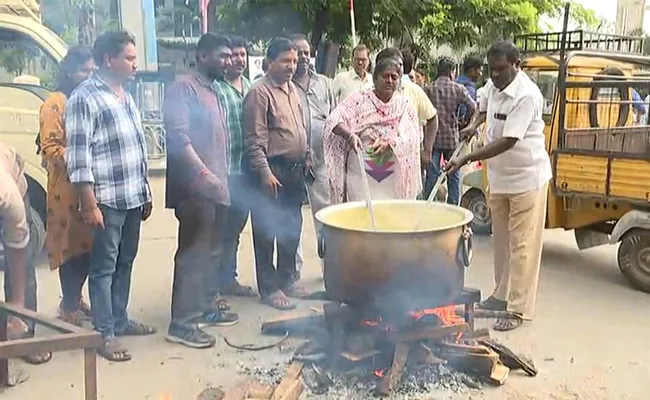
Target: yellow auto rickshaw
{"x": 599, "y": 148}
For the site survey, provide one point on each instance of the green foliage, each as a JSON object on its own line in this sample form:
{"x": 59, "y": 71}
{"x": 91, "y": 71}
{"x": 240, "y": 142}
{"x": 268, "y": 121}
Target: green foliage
{"x": 425, "y": 23}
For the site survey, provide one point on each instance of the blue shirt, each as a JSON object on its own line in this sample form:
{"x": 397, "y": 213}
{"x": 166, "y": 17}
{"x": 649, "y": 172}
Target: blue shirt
{"x": 470, "y": 85}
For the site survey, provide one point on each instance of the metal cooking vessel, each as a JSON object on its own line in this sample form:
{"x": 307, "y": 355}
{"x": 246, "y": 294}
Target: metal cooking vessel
{"x": 395, "y": 269}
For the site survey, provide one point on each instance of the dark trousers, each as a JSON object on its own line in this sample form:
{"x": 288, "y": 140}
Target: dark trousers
{"x": 453, "y": 180}
{"x": 72, "y": 275}
{"x": 241, "y": 192}
{"x": 111, "y": 264}
{"x": 198, "y": 257}
{"x": 278, "y": 219}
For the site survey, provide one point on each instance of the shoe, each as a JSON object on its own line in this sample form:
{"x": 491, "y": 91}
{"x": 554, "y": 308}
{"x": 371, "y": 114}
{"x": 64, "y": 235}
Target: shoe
{"x": 190, "y": 336}
{"x": 217, "y": 318}
{"x": 493, "y": 304}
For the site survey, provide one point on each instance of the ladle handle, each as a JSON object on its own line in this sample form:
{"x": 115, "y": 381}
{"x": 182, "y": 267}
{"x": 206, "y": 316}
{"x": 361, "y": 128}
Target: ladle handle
{"x": 366, "y": 188}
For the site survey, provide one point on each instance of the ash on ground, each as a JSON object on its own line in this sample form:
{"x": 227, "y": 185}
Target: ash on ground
{"x": 359, "y": 384}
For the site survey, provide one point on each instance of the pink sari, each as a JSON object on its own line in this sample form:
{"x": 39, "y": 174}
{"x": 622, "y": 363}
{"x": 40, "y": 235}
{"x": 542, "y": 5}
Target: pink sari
{"x": 363, "y": 114}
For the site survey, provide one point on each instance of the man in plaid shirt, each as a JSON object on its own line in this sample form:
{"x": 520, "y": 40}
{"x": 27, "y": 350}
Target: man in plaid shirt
{"x": 447, "y": 96}
{"x": 107, "y": 162}
{"x": 231, "y": 90}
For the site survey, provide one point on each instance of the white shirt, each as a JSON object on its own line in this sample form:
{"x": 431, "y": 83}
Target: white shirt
{"x": 348, "y": 82}
{"x": 516, "y": 112}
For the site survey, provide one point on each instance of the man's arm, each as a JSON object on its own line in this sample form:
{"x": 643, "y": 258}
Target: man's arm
{"x": 80, "y": 126}
{"x": 430, "y": 133}
{"x": 469, "y": 103}
{"x": 256, "y": 131}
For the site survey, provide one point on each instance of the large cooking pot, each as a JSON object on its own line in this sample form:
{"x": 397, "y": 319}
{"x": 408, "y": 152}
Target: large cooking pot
{"x": 395, "y": 268}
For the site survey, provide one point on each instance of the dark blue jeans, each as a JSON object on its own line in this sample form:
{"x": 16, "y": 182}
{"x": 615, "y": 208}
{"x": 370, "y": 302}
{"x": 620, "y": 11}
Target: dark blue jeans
{"x": 453, "y": 180}
{"x": 111, "y": 262}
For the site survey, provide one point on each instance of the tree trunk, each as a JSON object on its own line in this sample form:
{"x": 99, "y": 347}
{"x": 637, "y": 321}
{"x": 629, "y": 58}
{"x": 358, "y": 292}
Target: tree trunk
{"x": 212, "y": 15}
{"x": 86, "y": 23}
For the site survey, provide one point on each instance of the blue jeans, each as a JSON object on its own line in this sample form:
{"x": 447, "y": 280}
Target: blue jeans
{"x": 453, "y": 180}
{"x": 111, "y": 262}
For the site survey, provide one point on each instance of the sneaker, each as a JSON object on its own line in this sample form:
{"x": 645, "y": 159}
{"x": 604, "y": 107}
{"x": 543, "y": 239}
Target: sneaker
{"x": 190, "y": 336}
{"x": 217, "y": 318}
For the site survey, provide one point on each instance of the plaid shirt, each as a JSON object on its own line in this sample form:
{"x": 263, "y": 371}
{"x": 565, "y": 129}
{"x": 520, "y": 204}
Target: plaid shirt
{"x": 106, "y": 145}
{"x": 447, "y": 96}
{"x": 232, "y": 101}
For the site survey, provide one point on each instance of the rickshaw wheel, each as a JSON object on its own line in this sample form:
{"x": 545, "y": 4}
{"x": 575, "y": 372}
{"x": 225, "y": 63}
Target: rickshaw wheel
{"x": 474, "y": 201}
{"x": 634, "y": 258}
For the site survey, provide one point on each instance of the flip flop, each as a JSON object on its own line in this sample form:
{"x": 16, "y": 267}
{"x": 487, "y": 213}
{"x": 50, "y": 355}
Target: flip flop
{"x": 134, "y": 328}
{"x": 239, "y": 290}
{"x": 113, "y": 351}
{"x": 37, "y": 359}
{"x": 221, "y": 303}
{"x": 296, "y": 292}
{"x": 279, "y": 301}
{"x": 506, "y": 325}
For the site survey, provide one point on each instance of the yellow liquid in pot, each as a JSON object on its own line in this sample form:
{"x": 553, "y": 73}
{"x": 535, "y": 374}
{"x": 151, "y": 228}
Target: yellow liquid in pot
{"x": 403, "y": 218}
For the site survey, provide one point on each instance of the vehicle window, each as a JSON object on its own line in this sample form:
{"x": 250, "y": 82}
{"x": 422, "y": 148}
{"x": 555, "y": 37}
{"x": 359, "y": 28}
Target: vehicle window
{"x": 547, "y": 83}
{"x": 23, "y": 61}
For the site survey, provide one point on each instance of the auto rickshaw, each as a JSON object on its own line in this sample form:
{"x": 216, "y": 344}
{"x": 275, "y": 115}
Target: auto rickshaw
{"x": 600, "y": 154}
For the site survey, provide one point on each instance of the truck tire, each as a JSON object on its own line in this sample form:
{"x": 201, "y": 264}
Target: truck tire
{"x": 474, "y": 201}
{"x": 634, "y": 258}
{"x": 36, "y": 232}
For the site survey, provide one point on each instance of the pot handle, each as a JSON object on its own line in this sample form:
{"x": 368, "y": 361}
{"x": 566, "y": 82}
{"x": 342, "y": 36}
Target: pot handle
{"x": 464, "y": 253}
{"x": 321, "y": 246}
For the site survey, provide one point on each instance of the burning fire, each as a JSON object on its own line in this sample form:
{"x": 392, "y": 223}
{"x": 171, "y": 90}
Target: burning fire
{"x": 379, "y": 373}
{"x": 446, "y": 315}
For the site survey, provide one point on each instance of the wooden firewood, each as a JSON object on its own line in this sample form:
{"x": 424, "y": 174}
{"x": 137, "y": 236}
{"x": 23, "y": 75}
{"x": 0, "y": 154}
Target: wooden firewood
{"x": 499, "y": 374}
{"x": 260, "y": 391}
{"x": 391, "y": 379}
{"x": 291, "y": 321}
{"x": 288, "y": 384}
{"x": 510, "y": 359}
{"x": 427, "y": 333}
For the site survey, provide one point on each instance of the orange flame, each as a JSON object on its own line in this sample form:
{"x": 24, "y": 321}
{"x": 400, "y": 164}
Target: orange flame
{"x": 379, "y": 373}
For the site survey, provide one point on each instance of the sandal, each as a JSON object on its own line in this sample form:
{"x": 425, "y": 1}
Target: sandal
{"x": 38, "y": 358}
{"x": 85, "y": 308}
{"x": 279, "y": 301}
{"x": 493, "y": 304}
{"x": 239, "y": 290}
{"x": 221, "y": 303}
{"x": 72, "y": 317}
{"x": 134, "y": 328}
{"x": 506, "y": 325}
{"x": 113, "y": 351}
{"x": 296, "y": 292}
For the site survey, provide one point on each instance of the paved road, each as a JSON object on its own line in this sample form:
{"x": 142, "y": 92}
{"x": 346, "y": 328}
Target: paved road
{"x": 589, "y": 338}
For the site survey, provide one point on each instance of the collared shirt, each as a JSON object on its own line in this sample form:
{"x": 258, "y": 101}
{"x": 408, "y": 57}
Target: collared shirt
{"x": 447, "y": 96}
{"x": 516, "y": 112}
{"x": 232, "y": 101}
{"x": 106, "y": 145}
{"x": 470, "y": 85}
{"x": 318, "y": 102}
{"x": 193, "y": 117}
{"x": 14, "y": 230}
{"x": 348, "y": 82}
{"x": 423, "y": 106}
{"x": 274, "y": 125}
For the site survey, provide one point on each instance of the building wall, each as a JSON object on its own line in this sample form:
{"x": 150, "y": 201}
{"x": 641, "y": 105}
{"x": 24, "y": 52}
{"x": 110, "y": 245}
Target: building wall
{"x": 629, "y": 16}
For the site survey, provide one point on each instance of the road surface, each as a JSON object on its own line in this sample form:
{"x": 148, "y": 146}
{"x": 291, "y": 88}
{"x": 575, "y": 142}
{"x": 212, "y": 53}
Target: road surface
{"x": 589, "y": 338}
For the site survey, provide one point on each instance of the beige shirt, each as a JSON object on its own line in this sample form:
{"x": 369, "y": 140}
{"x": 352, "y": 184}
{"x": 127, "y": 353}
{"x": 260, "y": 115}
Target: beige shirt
{"x": 348, "y": 82}
{"x": 274, "y": 124}
{"x": 14, "y": 230}
{"x": 420, "y": 100}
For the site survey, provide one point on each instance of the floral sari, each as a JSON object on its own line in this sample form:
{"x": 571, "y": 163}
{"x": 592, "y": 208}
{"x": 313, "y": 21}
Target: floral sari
{"x": 392, "y": 175}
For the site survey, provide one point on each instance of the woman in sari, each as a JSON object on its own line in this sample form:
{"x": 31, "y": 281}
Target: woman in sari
{"x": 69, "y": 239}
{"x": 383, "y": 125}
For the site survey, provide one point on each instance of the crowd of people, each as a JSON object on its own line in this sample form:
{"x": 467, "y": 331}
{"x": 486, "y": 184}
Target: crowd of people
{"x": 236, "y": 148}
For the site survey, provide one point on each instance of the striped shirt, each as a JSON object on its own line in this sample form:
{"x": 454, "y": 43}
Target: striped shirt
{"x": 232, "y": 101}
{"x": 106, "y": 145}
